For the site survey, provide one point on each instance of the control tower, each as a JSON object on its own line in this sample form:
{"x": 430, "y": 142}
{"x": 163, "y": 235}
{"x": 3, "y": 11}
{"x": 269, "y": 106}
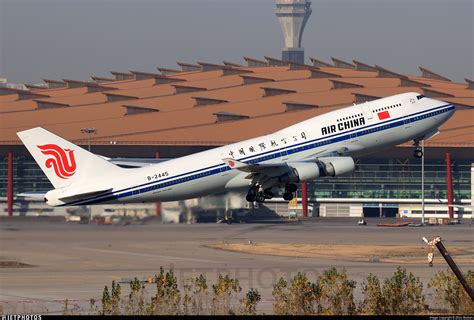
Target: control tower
{"x": 293, "y": 15}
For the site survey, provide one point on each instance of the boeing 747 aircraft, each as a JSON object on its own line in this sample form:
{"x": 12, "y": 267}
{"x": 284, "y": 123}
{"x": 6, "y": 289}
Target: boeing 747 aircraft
{"x": 321, "y": 146}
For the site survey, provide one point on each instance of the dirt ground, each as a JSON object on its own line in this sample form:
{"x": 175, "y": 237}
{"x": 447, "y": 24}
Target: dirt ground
{"x": 351, "y": 252}
{"x": 13, "y": 264}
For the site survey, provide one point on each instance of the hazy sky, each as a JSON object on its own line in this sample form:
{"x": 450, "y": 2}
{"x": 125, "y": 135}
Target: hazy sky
{"x": 77, "y": 38}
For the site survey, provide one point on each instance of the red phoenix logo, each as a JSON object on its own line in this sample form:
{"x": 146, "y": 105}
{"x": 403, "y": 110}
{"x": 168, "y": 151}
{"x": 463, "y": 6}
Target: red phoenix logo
{"x": 62, "y": 160}
{"x": 231, "y": 163}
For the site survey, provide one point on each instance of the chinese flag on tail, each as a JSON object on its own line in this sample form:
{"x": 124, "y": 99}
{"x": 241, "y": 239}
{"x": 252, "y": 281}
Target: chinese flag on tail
{"x": 383, "y": 115}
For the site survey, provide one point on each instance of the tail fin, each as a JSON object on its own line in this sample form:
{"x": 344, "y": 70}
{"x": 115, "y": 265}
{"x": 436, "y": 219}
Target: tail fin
{"x": 63, "y": 162}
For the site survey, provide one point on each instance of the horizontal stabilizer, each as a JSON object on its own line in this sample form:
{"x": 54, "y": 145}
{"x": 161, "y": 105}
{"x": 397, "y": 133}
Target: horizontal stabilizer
{"x": 32, "y": 195}
{"x": 136, "y": 162}
{"x": 78, "y": 196}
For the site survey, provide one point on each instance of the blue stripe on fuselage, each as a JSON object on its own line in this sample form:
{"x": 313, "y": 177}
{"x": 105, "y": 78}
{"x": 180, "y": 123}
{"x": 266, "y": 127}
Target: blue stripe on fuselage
{"x": 265, "y": 156}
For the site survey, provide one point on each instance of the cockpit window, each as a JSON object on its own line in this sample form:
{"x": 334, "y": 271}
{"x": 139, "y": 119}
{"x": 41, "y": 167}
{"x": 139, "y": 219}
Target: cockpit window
{"x": 420, "y": 96}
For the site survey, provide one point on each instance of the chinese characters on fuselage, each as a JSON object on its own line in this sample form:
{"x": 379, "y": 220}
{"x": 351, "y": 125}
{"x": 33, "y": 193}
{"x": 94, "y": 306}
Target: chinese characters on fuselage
{"x": 264, "y": 145}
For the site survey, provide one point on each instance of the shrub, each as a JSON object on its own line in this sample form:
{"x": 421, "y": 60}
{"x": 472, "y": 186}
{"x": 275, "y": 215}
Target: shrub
{"x": 115, "y": 298}
{"x": 332, "y": 293}
{"x": 249, "y": 303}
{"x": 111, "y": 301}
{"x": 297, "y": 299}
{"x": 223, "y": 290}
{"x": 373, "y": 301}
{"x": 168, "y": 295}
{"x": 337, "y": 292}
{"x": 135, "y": 305}
{"x": 105, "y": 301}
{"x": 402, "y": 294}
{"x": 281, "y": 297}
{"x": 196, "y": 296}
{"x": 450, "y": 293}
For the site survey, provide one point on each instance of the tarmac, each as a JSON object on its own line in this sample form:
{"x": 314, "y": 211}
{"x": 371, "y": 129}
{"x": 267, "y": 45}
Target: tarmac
{"x": 46, "y": 260}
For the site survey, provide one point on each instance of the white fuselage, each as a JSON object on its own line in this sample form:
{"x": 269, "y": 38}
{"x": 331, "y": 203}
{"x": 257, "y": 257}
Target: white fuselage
{"x": 351, "y": 131}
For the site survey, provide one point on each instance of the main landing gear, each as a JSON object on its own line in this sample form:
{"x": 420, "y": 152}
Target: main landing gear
{"x": 259, "y": 195}
{"x": 417, "y": 153}
{"x": 289, "y": 190}
{"x": 255, "y": 194}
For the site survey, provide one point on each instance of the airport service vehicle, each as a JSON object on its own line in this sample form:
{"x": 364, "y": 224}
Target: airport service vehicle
{"x": 318, "y": 147}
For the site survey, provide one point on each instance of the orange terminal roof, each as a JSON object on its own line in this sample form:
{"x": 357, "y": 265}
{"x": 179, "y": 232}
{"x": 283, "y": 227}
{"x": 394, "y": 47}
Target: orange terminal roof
{"x": 188, "y": 107}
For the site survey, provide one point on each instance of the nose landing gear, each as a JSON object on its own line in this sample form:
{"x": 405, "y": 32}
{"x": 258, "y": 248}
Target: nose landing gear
{"x": 417, "y": 153}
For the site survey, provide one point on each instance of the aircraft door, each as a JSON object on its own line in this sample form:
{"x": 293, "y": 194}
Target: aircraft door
{"x": 368, "y": 114}
{"x": 407, "y": 122}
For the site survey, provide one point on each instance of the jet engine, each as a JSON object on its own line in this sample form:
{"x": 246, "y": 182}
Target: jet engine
{"x": 322, "y": 167}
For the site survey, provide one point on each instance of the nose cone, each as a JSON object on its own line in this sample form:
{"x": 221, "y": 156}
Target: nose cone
{"x": 451, "y": 112}
{"x": 451, "y": 108}
{"x": 448, "y": 108}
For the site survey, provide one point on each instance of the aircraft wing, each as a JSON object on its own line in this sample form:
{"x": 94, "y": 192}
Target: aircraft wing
{"x": 267, "y": 175}
{"x": 253, "y": 168}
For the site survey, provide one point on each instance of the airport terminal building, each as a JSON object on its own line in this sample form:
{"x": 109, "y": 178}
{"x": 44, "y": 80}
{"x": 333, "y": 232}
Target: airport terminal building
{"x": 198, "y": 106}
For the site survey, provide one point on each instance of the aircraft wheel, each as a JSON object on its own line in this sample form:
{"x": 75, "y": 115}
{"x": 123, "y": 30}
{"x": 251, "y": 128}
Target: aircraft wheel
{"x": 268, "y": 194}
{"x": 291, "y": 188}
{"x": 418, "y": 153}
{"x": 260, "y": 197}
{"x": 288, "y": 196}
{"x": 250, "y": 197}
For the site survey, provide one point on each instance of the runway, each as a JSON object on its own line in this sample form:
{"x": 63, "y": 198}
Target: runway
{"x": 75, "y": 261}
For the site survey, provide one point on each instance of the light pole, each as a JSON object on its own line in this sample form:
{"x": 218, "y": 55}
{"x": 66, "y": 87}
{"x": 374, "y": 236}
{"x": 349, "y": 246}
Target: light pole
{"x": 89, "y": 131}
{"x": 423, "y": 182}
